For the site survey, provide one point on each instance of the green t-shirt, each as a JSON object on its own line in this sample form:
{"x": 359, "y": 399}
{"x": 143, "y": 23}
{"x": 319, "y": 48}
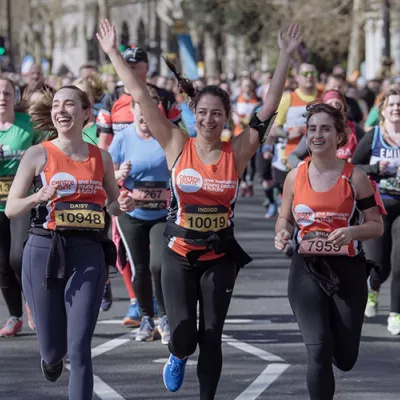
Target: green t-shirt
{"x": 90, "y": 134}
{"x": 373, "y": 117}
{"x": 15, "y": 140}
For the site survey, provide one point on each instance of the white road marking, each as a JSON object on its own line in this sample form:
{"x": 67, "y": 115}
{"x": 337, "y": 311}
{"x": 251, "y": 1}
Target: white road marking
{"x": 101, "y": 389}
{"x": 228, "y": 321}
{"x": 164, "y": 360}
{"x": 112, "y": 344}
{"x": 265, "y": 379}
{"x": 104, "y": 391}
{"x": 257, "y": 387}
{"x": 248, "y": 348}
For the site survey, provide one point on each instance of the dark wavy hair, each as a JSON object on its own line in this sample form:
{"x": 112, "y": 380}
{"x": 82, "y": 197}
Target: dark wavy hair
{"x": 187, "y": 86}
{"x": 40, "y": 112}
{"x": 337, "y": 114}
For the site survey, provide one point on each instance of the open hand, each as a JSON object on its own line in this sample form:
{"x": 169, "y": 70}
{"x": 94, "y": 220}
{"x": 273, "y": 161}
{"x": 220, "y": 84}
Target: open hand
{"x": 126, "y": 202}
{"x": 292, "y": 41}
{"x": 107, "y": 36}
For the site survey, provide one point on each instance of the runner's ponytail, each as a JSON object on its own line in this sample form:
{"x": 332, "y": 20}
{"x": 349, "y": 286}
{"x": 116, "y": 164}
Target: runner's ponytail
{"x": 185, "y": 85}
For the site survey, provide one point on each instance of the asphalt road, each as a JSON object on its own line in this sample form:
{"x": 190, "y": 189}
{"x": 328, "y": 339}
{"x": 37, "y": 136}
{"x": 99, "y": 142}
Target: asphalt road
{"x": 264, "y": 357}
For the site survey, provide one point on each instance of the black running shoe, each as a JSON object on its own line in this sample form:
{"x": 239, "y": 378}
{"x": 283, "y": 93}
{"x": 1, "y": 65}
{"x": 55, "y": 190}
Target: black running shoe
{"x": 52, "y": 372}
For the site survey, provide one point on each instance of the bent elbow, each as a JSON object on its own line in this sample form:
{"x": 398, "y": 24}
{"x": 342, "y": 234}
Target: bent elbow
{"x": 9, "y": 212}
{"x": 379, "y": 230}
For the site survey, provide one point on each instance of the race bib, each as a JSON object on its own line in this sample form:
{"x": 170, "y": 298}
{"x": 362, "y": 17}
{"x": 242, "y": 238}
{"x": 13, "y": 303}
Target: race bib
{"x": 79, "y": 216}
{"x": 390, "y": 185}
{"x": 150, "y": 195}
{"x": 206, "y": 218}
{"x": 5, "y": 185}
{"x": 316, "y": 244}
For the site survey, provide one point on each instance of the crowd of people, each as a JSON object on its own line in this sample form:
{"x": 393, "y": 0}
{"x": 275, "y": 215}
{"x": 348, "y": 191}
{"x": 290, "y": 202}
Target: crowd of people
{"x": 141, "y": 174}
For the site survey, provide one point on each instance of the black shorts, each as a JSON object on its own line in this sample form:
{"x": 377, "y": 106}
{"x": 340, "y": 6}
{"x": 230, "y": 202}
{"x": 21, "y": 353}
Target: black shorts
{"x": 279, "y": 176}
{"x": 266, "y": 169}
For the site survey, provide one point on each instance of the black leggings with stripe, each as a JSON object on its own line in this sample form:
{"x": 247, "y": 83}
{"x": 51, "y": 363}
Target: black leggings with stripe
{"x": 330, "y": 325}
{"x": 209, "y": 283}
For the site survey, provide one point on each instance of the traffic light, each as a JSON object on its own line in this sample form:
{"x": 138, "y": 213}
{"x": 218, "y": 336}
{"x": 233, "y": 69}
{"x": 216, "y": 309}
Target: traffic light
{"x": 2, "y": 46}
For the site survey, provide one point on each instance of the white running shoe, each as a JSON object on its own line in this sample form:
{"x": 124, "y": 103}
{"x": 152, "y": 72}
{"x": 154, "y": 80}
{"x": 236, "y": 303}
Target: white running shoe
{"x": 371, "y": 308}
{"x": 394, "y": 323}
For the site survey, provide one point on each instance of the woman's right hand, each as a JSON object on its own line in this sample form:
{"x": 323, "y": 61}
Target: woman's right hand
{"x": 383, "y": 166}
{"x": 107, "y": 36}
{"x": 125, "y": 169}
{"x": 282, "y": 239}
{"x": 45, "y": 194}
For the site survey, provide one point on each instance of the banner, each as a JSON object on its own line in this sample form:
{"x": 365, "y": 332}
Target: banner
{"x": 188, "y": 56}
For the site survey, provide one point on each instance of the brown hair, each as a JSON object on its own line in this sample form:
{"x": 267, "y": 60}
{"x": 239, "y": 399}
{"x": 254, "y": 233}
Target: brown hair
{"x": 187, "y": 86}
{"x": 40, "y": 112}
{"x": 339, "y": 118}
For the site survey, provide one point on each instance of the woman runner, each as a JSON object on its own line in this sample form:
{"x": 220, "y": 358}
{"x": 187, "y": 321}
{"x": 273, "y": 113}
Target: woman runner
{"x": 201, "y": 258}
{"x": 64, "y": 257}
{"x": 328, "y": 272}
{"x": 16, "y": 136}
{"x": 378, "y": 154}
{"x": 142, "y": 169}
{"x": 356, "y": 133}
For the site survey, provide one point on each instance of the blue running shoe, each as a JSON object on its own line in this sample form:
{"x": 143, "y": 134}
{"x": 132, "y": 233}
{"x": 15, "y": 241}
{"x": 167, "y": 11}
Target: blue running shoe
{"x": 174, "y": 372}
{"x": 107, "y": 300}
{"x": 132, "y": 318}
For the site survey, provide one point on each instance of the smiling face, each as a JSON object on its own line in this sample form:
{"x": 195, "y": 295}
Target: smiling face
{"x": 391, "y": 111}
{"x": 68, "y": 113}
{"x": 6, "y": 97}
{"x": 322, "y": 135}
{"x": 210, "y": 117}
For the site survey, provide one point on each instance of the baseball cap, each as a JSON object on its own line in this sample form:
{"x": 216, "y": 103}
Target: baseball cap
{"x": 135, "y": 54}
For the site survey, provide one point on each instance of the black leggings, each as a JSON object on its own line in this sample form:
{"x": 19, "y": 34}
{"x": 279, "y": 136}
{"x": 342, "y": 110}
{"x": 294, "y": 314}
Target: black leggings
{"x": 65, "y": 316}
{"x": 144, "y": 242}
{"x": 210, "y": 283}
{"x": 330, "y": 326}
{"x": 248, "y": 177}
{"x": 13, "y": 234}
{"x": 385, "y": 252}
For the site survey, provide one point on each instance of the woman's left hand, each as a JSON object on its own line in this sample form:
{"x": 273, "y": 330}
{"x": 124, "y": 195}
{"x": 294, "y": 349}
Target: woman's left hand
{"x": 292, "y": 41}
{"x": 126, "y": 202}
{"x": 340, "y": 237}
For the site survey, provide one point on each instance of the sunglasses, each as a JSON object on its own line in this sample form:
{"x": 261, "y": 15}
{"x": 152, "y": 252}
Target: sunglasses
{"x": 314, "y": 74}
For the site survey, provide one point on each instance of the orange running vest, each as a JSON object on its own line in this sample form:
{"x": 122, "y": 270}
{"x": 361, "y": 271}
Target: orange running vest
{"x": 80, "y": 198}
{"x": 317, "y": 214}
{"x": 294, "y": 118}
{"x": 202, "y": 196}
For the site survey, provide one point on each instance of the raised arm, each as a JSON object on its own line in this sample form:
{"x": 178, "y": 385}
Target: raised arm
{"x": 247, "y": 143}
{"x": 171, "y": 138}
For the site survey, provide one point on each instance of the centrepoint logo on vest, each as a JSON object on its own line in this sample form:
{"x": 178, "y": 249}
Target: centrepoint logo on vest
{"x": 304, "y": 215}
{"x": 189, "y": 180}
{"x": 66, "y": 184}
